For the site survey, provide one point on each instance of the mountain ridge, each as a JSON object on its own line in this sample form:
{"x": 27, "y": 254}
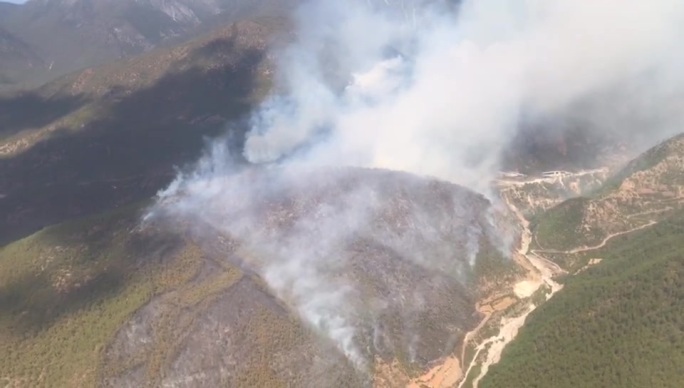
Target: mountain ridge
{"x": 69, "y": 35}
{"x": 617, "y": 321}
{"x": 139, "y": 248}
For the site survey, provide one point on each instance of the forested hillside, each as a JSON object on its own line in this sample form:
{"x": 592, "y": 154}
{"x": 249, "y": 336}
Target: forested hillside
{"x": 618, "y": 324}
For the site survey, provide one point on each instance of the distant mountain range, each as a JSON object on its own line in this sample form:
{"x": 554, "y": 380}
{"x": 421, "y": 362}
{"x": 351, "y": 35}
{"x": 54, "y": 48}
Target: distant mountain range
{"x": 43, "y": 39}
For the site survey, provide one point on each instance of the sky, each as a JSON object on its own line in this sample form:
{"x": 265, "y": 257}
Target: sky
{"x": 13, "y": 1}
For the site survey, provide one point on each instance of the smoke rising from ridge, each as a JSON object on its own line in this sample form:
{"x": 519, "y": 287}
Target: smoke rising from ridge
{"x": 349, "y": 249}
{"x": 433, "y": 89}
{"x": 421, "y": 87}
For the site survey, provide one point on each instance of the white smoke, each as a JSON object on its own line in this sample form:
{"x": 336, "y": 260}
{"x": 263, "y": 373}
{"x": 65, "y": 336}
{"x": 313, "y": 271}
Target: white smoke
{"x": 441, "y": 92}
{"x": 432, "y": 89}
{"x": 306, "y": 232}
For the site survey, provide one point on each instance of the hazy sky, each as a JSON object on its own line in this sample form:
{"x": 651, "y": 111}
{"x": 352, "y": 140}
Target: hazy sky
{"x": 14, "y": 1}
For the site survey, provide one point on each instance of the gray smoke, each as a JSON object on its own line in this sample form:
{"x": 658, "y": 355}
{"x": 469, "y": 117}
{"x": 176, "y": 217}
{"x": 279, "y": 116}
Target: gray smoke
{"x": 322, "y": 238}
{"x": 429, "y": 88}
{"x": 421, "y": 87}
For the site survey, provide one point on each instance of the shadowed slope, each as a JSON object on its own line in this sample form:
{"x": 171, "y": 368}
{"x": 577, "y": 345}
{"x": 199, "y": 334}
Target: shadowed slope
{"x": 112, "y": 135}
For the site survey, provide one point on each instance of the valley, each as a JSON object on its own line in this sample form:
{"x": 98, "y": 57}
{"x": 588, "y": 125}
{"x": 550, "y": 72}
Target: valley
{"x": 541, "y": 271}
{"x": 598, "y": 342}
{"x": 375, "y": 194}
{"x": 589, "y": 253}
{"x": 504, "y": 312}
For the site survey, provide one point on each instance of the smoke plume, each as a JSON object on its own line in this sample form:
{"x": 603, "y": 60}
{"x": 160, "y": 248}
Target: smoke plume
{"x": 439, "y": 90}
{"x": 432, "y": 88}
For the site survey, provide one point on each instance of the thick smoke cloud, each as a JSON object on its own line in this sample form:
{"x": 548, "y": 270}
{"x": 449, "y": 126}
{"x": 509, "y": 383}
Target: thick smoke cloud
{"x": 431, "y": 88}
{"x": 341, "y": 246}
{"x": 426, "y": 88}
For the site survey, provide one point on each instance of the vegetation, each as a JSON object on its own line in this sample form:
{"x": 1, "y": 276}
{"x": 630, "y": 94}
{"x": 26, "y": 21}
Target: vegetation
{"x": 112, "y": 135}
{"x": 645, "y": 161}
{"x": 561, "y": 227}
{"x": 472, "y": 375}
{"x": 492, "y": 269}
{"x": 65, "y": 291}
{"x": 539, "y": 297}
{"x": 618, "y": 324}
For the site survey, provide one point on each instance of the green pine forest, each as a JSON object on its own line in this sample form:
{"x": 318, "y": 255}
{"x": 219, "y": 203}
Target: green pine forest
{"x": 617, "y": 324}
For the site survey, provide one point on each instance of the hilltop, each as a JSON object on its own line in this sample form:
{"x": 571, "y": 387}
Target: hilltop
{"x": 139, "y": 248}
{"x": 617, "y": 321}
{"x": 164, "y": 302}
{"x": 647, "y": 190}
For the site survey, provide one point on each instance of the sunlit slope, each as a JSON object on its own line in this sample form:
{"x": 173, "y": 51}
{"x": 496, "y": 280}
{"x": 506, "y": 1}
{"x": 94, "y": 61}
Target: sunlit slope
{"x": 618, "y": 324}
{"x": 647, "y": 190}
{"x": 73, "y": 297}
{"x": 619, "y": 320}
{"x": 65, "y": 291}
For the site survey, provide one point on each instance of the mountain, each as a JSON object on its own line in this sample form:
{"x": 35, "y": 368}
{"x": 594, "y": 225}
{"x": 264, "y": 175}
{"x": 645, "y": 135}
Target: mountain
{"x": 69, "y": 35}
{"x": 111, "y": 135}
{"x": 7, "y": 10}
{"x": 618, "y": 320}
{"x": 618, "y": 323}
{"x": 99, "y": 141}
{"x": 15, "y": 57}
{"x": 139, "y": 248}
{"x": 64, "y": 36}
{"x": 166, "y": 303}
{"x": 645, "y": 191}
{"x": 570, "y": 208}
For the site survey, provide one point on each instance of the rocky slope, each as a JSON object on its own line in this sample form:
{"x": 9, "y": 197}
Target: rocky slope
{"x": 382, "y": 264}
{"x": 188, "y": 303}
{"x": 588, "y": 206}
{"x": 68, "y": 35}
{"x": 270, "y": 277}
{"x": 534, "y": 194}
{"x": 616, "y": 239}
{"x": 647, "y": 190}
{"x": 618, "y": 320}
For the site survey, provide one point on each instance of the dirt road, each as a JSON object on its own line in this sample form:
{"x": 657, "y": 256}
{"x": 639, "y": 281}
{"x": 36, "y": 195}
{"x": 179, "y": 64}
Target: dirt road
{"x": 540, "y": 271}
{"x": 599, "y": 246}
